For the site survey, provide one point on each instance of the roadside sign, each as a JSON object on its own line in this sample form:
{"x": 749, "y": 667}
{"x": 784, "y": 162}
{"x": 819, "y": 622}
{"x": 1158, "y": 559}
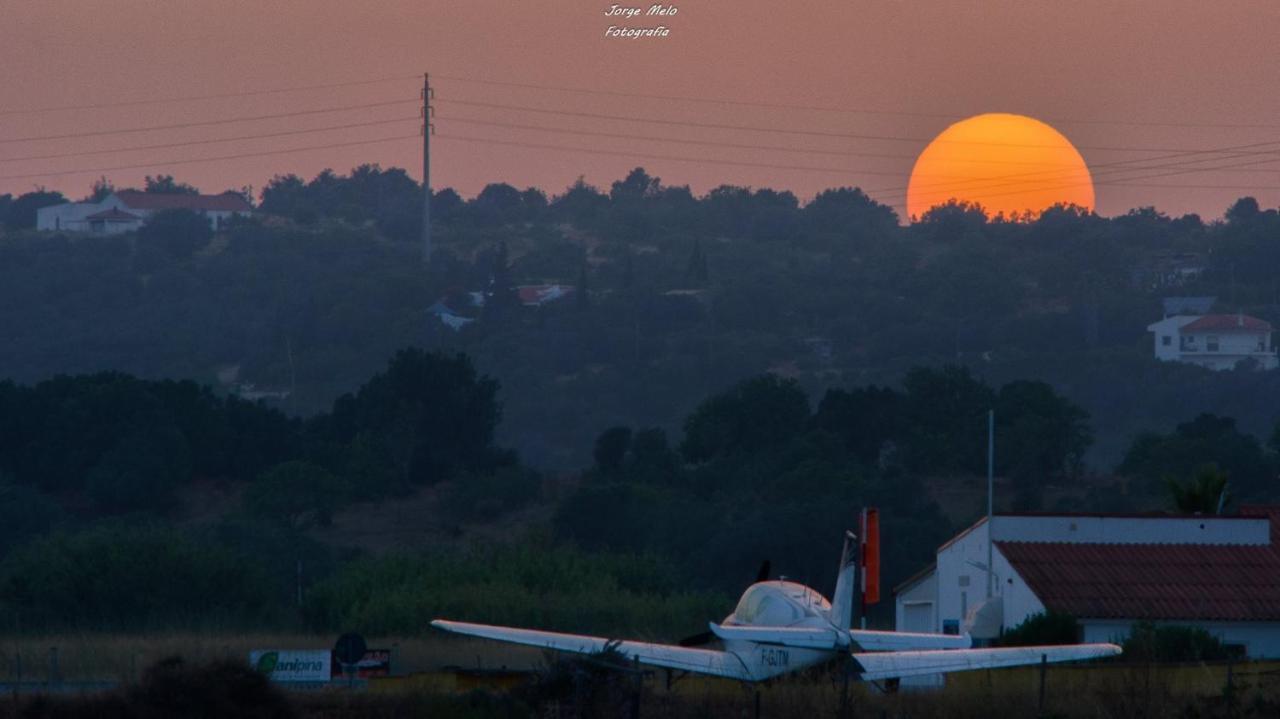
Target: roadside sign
{"x": 283, "y": 665}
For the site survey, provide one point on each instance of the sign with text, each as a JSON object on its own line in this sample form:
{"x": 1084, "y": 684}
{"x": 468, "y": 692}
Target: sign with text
{"x": 283, "y": 665}
{"x": 374, "y": 663}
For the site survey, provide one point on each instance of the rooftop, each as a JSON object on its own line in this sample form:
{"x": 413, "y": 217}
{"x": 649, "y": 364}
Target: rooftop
{"x": 1151, "y": 581}
{"x": 1227, "y": 323}
{"x": 226, "y": 202}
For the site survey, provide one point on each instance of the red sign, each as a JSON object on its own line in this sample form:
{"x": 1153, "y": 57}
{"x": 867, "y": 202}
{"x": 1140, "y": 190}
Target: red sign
{"x": 374, "y": 663}
{"x": 870, "y": 555}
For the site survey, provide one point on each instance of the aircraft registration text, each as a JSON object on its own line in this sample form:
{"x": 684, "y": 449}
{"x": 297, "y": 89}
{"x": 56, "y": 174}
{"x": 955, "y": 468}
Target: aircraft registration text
{"x": 775, "y": 657}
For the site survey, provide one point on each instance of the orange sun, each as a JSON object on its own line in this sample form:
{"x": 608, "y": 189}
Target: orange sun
{"x": 1010, "y": 164}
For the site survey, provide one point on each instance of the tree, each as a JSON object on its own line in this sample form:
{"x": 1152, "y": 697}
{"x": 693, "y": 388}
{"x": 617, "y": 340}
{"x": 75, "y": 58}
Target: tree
{"x": 697, "y": 271}
{"x": 1172, "y": 643}
{"x": 849, "y": 213}
{"x": 166, "y": 185}
{"x": 1043, "y": 628}
{"x": 22, "y": 211}
{"x": 758, "y": 412}
{"x": 501, "y": 300}
{"x": 1206, "y": 493}
{"x": 866, "y": 419}
{"x": 1207, "y": 439}
{"x": 953, "y": 220}
{"x": 1042, "y": 435}
{"x": 297, "y": 493}
{"x": 100, "y": 190}
{"x": 611, "y": 448}
{"x": 141, "y": 473}
{"x": 174, "y": 234}
{"x": 946, "y": 420}
{"x": 24, "y": 514}
{"x": 432, "y": 415}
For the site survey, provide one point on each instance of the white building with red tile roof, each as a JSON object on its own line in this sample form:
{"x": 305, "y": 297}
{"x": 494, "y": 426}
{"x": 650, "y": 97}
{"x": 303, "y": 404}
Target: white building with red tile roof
{"x": 1217, "y": 342}
{"x": 1220, "y": 573}
{"x": 129, "y": 209}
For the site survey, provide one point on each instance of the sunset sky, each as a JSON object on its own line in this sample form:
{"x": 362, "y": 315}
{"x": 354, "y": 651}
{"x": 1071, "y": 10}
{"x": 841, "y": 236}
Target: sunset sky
{"x": 1106, "y": 73}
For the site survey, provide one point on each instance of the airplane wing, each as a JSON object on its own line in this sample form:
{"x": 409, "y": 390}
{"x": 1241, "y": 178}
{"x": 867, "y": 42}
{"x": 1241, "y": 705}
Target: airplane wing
{"x": 874, "y": 641}
{"x": 889, "y": 665}
{"x": 782, "y": 636}
{"x": 704, "y": 661}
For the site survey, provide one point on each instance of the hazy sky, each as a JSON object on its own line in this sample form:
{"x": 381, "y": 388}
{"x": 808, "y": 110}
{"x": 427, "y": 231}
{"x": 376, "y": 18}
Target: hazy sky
{"x": 1210, "y": 67}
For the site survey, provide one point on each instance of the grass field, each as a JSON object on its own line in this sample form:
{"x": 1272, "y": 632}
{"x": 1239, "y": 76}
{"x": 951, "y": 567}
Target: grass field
{"x": 121, "y": 657}
{"x": 1119, "y": 691}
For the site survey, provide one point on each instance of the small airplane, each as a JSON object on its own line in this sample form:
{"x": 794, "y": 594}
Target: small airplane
{"x": 780, "y": 627}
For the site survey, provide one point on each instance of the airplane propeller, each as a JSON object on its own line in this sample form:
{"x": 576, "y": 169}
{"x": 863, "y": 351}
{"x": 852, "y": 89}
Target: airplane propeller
{"x": 697, "y": 640}
{"x": 763, "y": 574}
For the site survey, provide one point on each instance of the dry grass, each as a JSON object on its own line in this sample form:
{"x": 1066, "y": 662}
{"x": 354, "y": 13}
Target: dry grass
{"x": 1083, "y": 692}
{"x": 121, "y": 657}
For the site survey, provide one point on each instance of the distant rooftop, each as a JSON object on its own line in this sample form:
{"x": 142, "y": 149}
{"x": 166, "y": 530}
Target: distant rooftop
{"x": 226, "y": 202}
{"x": 1226, "y": 324}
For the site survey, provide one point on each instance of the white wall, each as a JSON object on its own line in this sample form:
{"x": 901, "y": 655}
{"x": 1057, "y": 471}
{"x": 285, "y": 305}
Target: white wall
{"x": 962, "y": 581}
{"x": 958, "y": 583}
{"x": 1132, "y": 530}
{"x": 67, "y": 217}
{"x": 1261, "y": 640}
{"x": 921, "y": 597}
{"x": 1168, "y": 329}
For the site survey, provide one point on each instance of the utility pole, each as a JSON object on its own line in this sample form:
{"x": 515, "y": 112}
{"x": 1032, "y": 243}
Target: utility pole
{"x": 427, "y": 130}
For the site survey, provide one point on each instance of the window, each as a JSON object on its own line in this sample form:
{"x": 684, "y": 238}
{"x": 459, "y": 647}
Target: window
{"x": 1211, "y": 344}
{"x": 1166, "y": 340}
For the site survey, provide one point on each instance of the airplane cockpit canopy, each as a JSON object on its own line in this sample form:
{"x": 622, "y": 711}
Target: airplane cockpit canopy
{"x": 778, "y": 604}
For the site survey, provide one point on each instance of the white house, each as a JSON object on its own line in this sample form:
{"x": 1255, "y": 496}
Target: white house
{"x": 128, "y": 209}
{"x": 1108, "y": 571}
{"x": 1217, "y": 342}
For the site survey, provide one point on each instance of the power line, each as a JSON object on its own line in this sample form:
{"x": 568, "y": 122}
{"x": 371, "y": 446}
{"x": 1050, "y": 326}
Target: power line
{"x": 738, "y": 163}
{"x": 1120, "y": 166}
{"x": 198, "y": 160}
{"x": 191, "y": 98}
{"x": 842, "y": 110}
{"x": 810, "y": 151}
{"x": 207, "y": 123}
{"x": 170, "y": 145}
{"x": 813, "y": 133}
{"x": 710, "y": 143}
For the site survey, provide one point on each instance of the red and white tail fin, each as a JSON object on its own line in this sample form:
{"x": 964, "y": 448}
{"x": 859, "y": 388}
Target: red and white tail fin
{"x": 846, "y": 583}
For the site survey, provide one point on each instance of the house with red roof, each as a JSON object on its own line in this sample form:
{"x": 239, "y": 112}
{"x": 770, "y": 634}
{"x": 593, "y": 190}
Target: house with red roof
{"x": 1220, "y": 573}
{"x": 127, "y": 210}
{"x": 1217, "y": 342}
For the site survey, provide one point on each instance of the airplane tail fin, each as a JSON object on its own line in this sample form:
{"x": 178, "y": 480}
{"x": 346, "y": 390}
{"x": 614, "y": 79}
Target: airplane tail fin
{"x": 846, "y": 583}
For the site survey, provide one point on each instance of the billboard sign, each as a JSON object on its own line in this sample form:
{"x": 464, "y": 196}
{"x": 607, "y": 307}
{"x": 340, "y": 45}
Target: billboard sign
{"x": 282, "y": 665}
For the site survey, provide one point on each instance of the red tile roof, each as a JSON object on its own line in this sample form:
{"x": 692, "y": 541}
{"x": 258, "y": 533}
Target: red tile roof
{"x": 114, "y": 214}
{"x": 227, "y": 201}
{"x": 1151, "y": 581}
{"x": 1227, "y": 323}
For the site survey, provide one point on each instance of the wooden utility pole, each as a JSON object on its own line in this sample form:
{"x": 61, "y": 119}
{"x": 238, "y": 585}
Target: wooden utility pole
{"x": 427, "y": 130}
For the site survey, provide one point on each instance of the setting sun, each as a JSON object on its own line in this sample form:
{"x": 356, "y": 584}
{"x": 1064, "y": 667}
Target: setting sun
{"x": 1009, "y": 164}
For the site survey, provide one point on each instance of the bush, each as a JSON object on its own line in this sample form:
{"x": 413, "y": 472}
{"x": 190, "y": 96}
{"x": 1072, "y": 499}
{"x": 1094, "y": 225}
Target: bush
{"x": 522, "y": 585}
{"x": 1042, "y": 628}
{"x": 131, "y": 578}
{"x": 487, "y": 496}
{"x": 1173, "y": 643}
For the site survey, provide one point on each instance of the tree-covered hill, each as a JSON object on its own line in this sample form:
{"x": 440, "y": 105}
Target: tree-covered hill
{"x": 684, "y": 295}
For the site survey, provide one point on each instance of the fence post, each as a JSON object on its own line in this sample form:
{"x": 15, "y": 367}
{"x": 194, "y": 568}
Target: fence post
{"x": 54, "y": 678}
{"x": 1231, "y": 689}
{"x": 1044, "y": 665}
{"x": 17, "y": 685}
